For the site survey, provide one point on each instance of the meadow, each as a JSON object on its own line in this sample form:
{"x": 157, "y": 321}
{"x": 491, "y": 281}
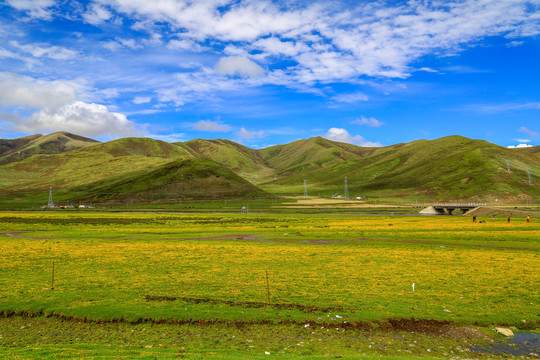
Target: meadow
{"x": 270, "y": 276}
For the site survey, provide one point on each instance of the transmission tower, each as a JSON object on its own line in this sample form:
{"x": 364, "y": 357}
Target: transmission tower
{"x": 508, "y": 165}
{"x": 50, "y": 202}
{"x": 346, "y": 192}
{"x": 305, "y": 189}
{"x": 529, "y": 173}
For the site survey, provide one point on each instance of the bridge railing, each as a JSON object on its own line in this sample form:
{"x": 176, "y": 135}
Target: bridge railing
{"x": 473, "y": 205}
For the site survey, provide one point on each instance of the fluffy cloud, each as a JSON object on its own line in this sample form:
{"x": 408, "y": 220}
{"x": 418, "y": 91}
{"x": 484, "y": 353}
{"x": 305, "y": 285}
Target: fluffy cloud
{"x": 23, "y": 91}
{"x": 342, "y": 135}
{"x": 33, "y": 105}
{"x": 79, "y": 118}
{"x": 340, "y": 41}
{"x": 238, "y": 65}
{"x": 52, "y": 52}
{"x": 208, "y": 125}
{"x": 324, "y": 41}
{"x": 250, "y": 135}
{"x": 520, "y": 146}
{"x": 97, "y": 14}
{"x": 368, "y": 121}
{"x": 35, "y": 8}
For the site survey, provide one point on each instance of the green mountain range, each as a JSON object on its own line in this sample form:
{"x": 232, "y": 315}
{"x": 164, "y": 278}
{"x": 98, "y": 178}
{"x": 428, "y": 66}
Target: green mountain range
{"x": 146, "y": 170}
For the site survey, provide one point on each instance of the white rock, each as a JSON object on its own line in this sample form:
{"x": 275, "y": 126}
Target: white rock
{"x": 504, "y": 331}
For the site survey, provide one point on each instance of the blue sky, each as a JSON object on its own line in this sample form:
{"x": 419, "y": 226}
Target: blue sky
{"x": 262, "y": 72}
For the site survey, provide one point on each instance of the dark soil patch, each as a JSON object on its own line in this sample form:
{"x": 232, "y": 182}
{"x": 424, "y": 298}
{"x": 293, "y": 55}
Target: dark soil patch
{"x": 249, "y": 304}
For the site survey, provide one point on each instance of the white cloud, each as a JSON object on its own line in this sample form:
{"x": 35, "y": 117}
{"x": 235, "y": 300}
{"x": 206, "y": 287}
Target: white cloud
{"x": 35, "y": 8}
{"x": 298, "y": 44}
{"x": 170, "y": 138}
{"x": 78, "y": 118}
{"x": 185, "y": 44}
{"x": 351, "y": 98}
{"x": 324, "y": 41}
{"x": 238, "y": 65}
{"x": 275, "y": 46}
{"x": 531, "y": 133}
{"x": 342, "y": 135}
{"x": 52, "y": 52}
{"x": 427, "y": 69}
{"x": 97, "y": 14}
{"x": 208, "y": 125}
{"x": 33, "y": 105}
{"x": 515, "y": 43}
{"x": 368, "y": 121}
{"x": 519, "y": 146}
{"x": 22, "y": 91}
{"x": 142, "y": 99}
{"x": 250, "y": 135}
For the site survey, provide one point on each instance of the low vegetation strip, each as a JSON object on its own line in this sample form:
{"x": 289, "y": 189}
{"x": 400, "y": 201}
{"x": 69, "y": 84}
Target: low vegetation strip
{"x": 250, "y": 304}
{"x": 423, "y": 326}
{"x": 40, "y": 337}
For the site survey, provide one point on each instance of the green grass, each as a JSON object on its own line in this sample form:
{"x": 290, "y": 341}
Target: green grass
{"x": 204, "y": 277}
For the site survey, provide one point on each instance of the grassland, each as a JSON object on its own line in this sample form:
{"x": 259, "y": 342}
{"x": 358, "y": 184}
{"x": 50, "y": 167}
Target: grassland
{"x": 197, "y": 280}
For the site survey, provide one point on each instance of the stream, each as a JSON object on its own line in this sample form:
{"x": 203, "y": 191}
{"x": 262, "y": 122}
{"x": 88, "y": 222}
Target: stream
{"x": 522, "y": 343}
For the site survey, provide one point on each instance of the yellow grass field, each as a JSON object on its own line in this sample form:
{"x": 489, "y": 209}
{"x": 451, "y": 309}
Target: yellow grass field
{"x": 106, "y": 265}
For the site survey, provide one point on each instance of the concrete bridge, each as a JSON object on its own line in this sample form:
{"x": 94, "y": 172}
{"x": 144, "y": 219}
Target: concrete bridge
{"x": 449, "y": 208}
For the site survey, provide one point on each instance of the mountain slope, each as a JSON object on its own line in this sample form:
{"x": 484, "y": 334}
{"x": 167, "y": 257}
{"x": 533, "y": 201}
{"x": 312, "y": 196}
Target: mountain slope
{"x": 242, "y": 160}
{"x": 175, "y": 180}
{"x": 139, "y": 168}
{"x": 449, "y": 168}
{"x": 59, "y": 142}
{"x": 310, "y": 154}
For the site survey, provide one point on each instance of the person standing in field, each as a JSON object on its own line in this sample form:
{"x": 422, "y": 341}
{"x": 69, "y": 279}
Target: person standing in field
{"x": 508, "y": 218}
{"x": 528, "y": 218}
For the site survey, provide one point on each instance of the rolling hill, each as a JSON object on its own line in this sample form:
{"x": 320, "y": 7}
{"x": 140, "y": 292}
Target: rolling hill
{"x": 137, "y": 168}
{"x": 56, "y": 143}
{"x": 450, "y": 168}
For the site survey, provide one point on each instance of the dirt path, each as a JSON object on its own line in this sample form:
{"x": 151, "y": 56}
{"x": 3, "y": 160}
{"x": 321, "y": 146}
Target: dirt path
{"x": 255, "y": 238}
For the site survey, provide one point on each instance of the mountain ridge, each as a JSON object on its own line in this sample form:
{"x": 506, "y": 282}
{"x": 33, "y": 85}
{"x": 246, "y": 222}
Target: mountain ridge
{"x": 449, "y": 168}
{"x": 55, "y": 143}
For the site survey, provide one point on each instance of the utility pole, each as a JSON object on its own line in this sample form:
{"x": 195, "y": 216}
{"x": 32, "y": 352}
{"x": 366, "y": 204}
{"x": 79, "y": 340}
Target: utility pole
{"x": 50, "y": 202}
{"x": 508, "y": 165}
{"x": 346, "y": 192}
{"x": 529, "y": 173}
{"x": 305, "y": 189}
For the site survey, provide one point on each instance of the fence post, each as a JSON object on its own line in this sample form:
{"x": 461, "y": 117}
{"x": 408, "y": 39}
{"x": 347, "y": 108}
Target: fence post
{"x": 52, "y": 277}
{"x": 267, "y": 287}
